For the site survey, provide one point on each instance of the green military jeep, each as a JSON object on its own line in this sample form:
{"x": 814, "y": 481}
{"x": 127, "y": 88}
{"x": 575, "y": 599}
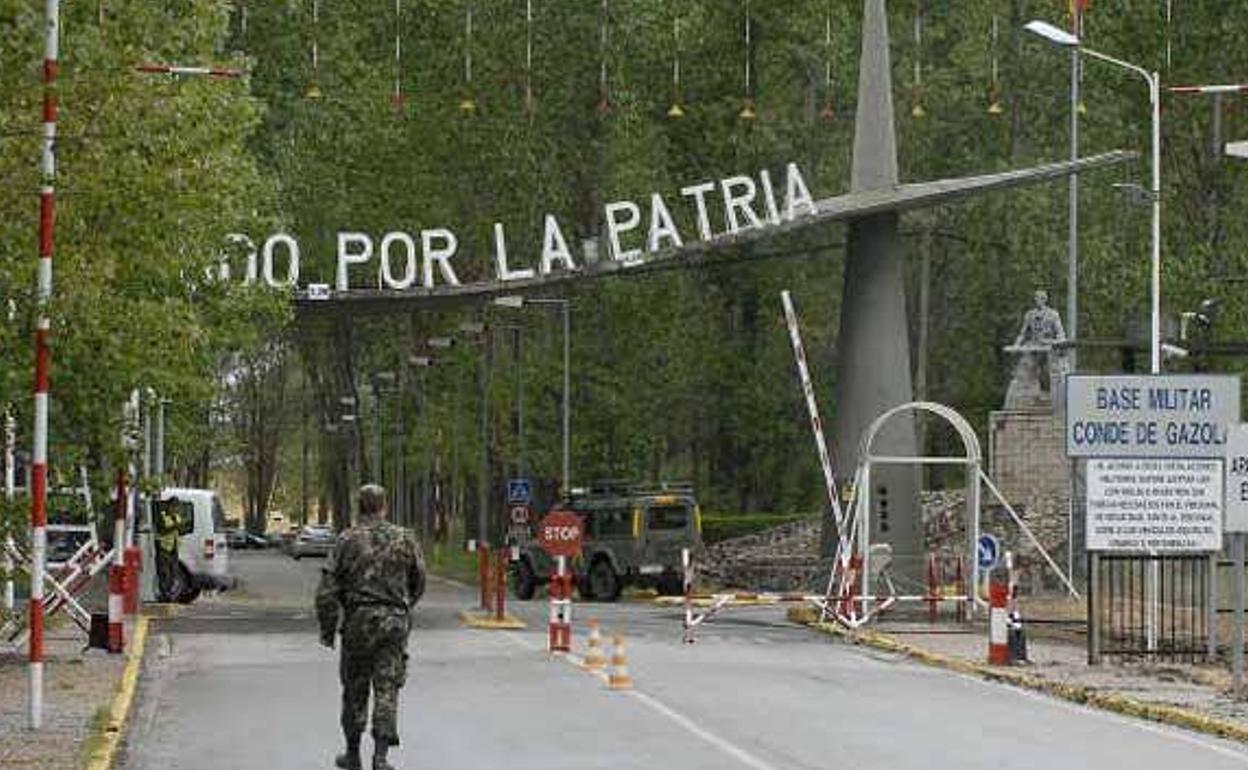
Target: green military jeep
{"x": 634, "y": 535}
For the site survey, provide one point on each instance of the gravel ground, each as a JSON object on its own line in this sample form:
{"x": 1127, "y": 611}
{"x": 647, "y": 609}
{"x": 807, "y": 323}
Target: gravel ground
{"x": 1201, "y": 688}
{"x": 77, "y": 686}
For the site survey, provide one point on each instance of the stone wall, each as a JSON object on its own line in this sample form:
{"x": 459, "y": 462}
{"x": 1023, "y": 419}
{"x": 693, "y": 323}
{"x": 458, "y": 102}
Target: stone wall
{"x": 1027, "y": 456}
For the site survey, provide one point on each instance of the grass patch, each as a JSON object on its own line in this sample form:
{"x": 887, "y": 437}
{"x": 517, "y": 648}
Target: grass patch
{"x": 98, "y": 732}
{"x": 725, "y": 526}
{"x": 452, "y": 562}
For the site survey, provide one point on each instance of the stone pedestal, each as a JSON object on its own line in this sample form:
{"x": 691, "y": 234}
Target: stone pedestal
{"x": 1027, "y": 455}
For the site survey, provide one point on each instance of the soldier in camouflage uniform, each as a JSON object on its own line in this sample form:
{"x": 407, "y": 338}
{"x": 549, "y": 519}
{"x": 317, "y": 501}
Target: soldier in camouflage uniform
{"x": 368, "y": 590}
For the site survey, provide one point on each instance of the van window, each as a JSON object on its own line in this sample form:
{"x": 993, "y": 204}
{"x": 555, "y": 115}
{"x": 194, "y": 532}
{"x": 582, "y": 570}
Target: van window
{"x": 668, "y": 517}
{"x": 615, "y": 522}
{"x": 186, "y": 514}
{"x": 218, "y": 515}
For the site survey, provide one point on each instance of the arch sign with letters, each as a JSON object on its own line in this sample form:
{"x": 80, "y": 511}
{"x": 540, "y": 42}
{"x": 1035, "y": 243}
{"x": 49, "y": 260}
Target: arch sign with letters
{"x": 399, "y": 261}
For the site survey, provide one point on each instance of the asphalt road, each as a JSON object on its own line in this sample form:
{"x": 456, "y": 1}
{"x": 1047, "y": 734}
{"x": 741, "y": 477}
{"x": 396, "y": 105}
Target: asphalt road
{"x": 240, "y": 683}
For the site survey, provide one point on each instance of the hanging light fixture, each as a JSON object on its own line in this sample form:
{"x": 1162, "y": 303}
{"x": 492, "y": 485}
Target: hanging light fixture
{"x": 829, "y": 111}
{"x": 676, "y": 111}
{"x": 530, "y": 106}
{"x": 916, "y": 96}
{"x": 468, "y": 105}
{"x": 1077, "y": 7}
{"x": 747, "y": 110}
{"x": 314, "y": 89}
{"x": 396, "y": 96}
{"x": 604, "y": 100}
{"x": 994, "y": 106}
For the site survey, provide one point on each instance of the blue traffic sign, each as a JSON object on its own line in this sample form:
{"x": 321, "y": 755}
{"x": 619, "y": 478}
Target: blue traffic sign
{"x": 520, "y": 491}
{"x": 988, "y": 554}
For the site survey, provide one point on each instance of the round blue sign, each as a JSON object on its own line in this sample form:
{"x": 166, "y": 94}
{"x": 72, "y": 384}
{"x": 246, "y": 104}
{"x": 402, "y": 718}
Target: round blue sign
{"x": 988, "y": 554}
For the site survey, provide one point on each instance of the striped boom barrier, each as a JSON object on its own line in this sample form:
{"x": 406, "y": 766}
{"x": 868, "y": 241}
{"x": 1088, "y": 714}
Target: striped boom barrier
{"x": 816, "y": 423}
{"x": 1229, "y": 88}
{"x": 43, "y": 355}
{"x": 179, "y": 71}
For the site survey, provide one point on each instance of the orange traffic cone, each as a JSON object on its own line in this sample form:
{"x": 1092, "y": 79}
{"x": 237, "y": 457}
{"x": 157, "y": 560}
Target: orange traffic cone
{"x": 618, "y": 678}
{"x": 594, "y": 659}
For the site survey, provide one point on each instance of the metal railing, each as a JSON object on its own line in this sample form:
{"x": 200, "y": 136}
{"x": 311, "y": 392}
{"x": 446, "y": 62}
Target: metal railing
{"x": 1150, "y": 606}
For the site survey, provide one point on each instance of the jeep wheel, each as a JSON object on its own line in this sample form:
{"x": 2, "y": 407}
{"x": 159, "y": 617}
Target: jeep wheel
{"x": 604, "y": 584}
{"x": 525, "y": 581}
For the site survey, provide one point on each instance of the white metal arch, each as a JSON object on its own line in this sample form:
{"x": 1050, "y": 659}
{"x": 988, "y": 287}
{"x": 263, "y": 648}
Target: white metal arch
{"x": 972, "y": 460}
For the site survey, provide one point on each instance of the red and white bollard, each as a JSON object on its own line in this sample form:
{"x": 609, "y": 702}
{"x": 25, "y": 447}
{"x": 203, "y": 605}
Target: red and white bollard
{"x": 560, "y": 591}
{"x": 998, "y": 624}
{"x": 117, "y": 570}
{"x": 116, "y": 592}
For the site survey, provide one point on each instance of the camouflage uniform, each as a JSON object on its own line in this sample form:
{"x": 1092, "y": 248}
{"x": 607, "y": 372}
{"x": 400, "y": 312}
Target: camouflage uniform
{"x": 374, "y": 578}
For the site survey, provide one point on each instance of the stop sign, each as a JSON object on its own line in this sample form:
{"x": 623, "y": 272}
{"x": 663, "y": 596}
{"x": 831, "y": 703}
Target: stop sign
{"x": 560, "y": 533}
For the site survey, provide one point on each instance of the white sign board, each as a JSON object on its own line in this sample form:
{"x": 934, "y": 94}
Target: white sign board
{"x": 1150, "y": 416}
{"x": 1236, "y": 480}
{"x": 1162, "y": 505}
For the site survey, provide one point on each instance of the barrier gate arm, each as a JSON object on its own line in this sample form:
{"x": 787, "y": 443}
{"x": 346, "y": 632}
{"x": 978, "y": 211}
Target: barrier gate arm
{"x": 812, "y": 406}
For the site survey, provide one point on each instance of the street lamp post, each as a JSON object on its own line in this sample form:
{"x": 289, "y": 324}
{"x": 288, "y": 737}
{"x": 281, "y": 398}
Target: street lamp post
{"x": 1063, "y": 38}
{"x": 1153, "y": 79}
{"x": 518, "y": 302}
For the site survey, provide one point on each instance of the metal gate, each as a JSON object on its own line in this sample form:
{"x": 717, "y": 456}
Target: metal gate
{"x": 1153, "y": 606}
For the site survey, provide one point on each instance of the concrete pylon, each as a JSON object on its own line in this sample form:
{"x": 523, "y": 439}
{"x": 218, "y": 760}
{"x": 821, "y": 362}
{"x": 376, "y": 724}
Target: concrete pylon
{"x": 873, "y": 348}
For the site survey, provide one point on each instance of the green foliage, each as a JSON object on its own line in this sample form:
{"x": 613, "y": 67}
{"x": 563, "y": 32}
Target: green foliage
{"x": 148, "y": 170}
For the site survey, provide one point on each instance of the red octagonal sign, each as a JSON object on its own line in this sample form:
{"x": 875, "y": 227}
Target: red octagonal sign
{"x": 560, "y": 533}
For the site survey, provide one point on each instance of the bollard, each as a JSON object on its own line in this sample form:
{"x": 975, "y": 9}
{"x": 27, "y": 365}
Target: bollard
{"x": 686, "y": 566}
{"x": 116, "y": 592}
{"x": 961, "y": 578}
{"x": 998, "y": 625}
{"x": 560, "y": 591}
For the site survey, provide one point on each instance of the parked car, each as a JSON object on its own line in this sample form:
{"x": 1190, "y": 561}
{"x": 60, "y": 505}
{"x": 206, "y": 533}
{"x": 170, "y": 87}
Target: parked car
{"x": 239, "y": 538}
{"x": 312, "y": 540}
{"x": 633, "y": 536}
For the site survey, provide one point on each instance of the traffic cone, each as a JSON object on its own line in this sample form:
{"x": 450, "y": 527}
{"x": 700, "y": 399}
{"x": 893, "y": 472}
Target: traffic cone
{"x": 594, "y": 659}
{"x": 618, "y": 678}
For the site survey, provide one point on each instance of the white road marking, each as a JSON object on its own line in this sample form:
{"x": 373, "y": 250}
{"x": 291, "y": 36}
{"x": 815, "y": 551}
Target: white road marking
{"x": 732, "y": 750}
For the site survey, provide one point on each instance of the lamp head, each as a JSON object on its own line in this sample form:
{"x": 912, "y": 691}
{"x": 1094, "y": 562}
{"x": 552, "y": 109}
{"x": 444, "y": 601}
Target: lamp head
{"x": 1053, "y": 34}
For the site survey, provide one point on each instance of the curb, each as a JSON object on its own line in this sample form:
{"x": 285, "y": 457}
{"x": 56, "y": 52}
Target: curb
{"x": 489, "y": 622}
{"x": 1073, "y": 693}
{"x": 106, "y": 752}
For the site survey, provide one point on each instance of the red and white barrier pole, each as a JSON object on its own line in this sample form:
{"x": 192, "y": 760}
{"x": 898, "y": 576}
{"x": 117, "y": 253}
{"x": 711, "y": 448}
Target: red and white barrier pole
{"x": 483, "y": 573}
{"x": 560, "y": 591}
{"x": 117, "y": 571}
{"x": 998, "y": 624}
{"x": 43, "y": 355}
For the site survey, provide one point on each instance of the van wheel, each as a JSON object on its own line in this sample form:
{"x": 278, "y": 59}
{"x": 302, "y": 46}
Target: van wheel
{"x": 604, "y": 584}
{"x": 526, "y": 581}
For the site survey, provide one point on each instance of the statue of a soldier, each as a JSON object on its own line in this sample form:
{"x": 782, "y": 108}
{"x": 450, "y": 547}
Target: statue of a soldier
{"x": 1038, "y": 362}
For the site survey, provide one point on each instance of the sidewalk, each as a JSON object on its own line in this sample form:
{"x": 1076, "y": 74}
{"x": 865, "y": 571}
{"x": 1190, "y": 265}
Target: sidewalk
{"x": 1196, "y": 696}
{"x": 78, "y": 691}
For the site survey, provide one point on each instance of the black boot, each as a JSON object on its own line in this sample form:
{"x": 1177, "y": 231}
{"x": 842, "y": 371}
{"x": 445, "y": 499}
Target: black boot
{"x": 350, "y": 759}
{"x": 382, "y": 748}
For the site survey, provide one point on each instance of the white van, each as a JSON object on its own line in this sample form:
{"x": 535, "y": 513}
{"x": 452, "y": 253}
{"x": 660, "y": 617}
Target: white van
{"x": 202, "y": 547}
